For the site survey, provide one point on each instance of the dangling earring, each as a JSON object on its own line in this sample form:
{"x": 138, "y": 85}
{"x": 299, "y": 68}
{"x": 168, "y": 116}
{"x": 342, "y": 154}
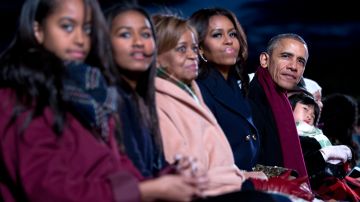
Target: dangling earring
{"x": 203, "y": 58}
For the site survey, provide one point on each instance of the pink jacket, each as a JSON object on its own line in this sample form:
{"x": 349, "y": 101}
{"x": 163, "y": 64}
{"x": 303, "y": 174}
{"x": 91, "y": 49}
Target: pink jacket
{"x": 39, "y": 166}
{"x": 190, "y": 129}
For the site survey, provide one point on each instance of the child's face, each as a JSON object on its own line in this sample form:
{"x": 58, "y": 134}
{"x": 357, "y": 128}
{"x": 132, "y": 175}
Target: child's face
{"x": 66, "y": 31}
{"x": 304, "y": 113}
{"x": 132, "y": 41}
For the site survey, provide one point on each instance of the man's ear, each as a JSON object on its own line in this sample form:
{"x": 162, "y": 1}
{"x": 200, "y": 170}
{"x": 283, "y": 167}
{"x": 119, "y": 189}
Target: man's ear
{"x": 39, "y": 33}
{"x": 264, "y": 60}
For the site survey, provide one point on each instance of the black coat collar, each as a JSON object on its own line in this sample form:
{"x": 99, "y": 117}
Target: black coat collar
{"x": 223, "y": 93}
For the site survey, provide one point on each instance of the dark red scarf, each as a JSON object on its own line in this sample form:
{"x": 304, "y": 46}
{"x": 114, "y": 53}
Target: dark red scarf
{"x": 284, "y": 119}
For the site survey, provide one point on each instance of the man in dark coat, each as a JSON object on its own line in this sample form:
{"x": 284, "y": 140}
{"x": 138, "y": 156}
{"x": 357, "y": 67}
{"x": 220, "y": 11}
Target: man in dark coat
{"x": 281, "y": 68}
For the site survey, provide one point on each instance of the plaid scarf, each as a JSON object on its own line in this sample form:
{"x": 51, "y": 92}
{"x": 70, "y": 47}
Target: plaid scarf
{"x": 285, "y": 123}
{"x": 161, "y": 72}
{"x": 86, "y": 90}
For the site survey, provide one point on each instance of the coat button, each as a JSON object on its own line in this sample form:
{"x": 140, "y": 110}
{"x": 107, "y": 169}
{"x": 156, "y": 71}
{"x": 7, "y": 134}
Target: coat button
{"x": 253, "y": 136}
{"x": 247, "y": 138}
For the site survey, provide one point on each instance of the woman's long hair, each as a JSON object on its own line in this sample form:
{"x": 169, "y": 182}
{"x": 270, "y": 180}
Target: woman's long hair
{"x": 200, "y": 21}
{"x": 146, "y": 82}
{"x": 35, "y": 74}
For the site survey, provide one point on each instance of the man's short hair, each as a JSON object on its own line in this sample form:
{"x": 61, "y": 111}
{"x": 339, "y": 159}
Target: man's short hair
{"x": 275, "y": 40}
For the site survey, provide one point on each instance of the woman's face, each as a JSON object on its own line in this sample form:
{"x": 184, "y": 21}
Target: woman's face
{"x": 181, "y": 61}
{"x": 221, "y": 45}
{"x": 132, "y": 41}
{"x": 66, "y": 31}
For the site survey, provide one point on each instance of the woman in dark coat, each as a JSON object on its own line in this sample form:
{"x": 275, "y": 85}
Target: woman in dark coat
{"x": 223, "y": 81}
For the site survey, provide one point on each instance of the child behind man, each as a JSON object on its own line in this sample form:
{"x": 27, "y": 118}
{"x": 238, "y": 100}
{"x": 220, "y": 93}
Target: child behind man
{"x": 306, "y": 113}
{"x": 326, "y": 164}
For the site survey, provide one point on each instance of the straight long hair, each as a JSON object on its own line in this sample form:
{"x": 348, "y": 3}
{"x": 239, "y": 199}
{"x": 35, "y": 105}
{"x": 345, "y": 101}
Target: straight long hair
{"x": 35, "y": 74}
{"x": 146, "y": 82}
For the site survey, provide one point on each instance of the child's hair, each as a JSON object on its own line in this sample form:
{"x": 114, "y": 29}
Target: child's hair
{"x": 34, "y": 73}
{"x": 146, "y": 83}
{"x": 306, "y": 99}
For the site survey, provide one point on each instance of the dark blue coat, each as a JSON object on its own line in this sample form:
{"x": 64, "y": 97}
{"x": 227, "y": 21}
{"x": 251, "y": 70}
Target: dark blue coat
{"x": 232, "y": 111}
{"x": 270, "y": 152}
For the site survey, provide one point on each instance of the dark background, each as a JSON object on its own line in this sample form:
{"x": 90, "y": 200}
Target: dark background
{"x": 331, "y": 29}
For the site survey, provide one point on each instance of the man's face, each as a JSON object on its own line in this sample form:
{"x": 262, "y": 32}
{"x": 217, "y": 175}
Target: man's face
{"x": 286, "y": 64}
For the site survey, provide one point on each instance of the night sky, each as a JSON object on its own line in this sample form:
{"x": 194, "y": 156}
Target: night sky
{"x": 331, "y": 29}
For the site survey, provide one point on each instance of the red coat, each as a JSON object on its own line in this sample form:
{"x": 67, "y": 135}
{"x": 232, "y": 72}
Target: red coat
{"x": 39, "y": 166}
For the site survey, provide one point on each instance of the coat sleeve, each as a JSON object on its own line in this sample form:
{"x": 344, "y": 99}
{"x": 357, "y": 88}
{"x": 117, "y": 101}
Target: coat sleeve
{"x": 173, "y": 140}
{"x": 72, "y": 167}
{"x": 314, "y": 160}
